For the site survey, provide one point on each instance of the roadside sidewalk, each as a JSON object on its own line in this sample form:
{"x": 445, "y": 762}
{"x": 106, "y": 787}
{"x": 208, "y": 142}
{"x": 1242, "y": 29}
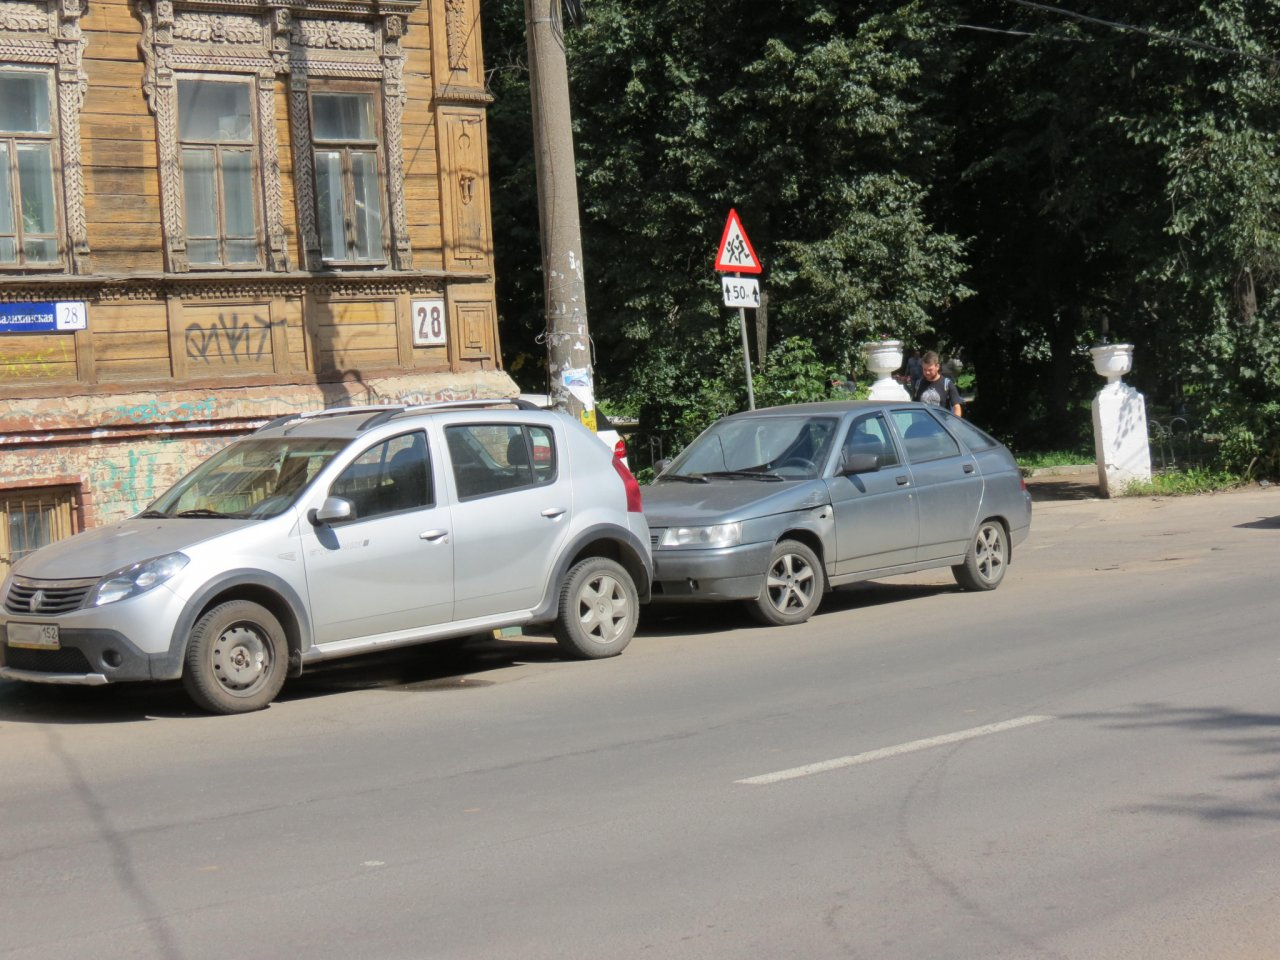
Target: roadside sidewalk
{"x": 1079, "y": 482}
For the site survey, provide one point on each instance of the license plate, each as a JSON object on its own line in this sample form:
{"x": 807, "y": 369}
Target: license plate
{"x": 33, "y": 636}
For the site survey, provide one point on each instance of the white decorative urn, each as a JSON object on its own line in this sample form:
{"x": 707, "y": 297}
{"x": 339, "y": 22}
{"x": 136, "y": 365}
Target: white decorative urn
{"x": 1112, "y": 360}
{"x": 883, "y": 357}
{"x": 1119, "y": 423}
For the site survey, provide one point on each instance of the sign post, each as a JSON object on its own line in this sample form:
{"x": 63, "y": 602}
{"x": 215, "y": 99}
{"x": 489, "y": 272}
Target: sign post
{"x": 737, "y": 256}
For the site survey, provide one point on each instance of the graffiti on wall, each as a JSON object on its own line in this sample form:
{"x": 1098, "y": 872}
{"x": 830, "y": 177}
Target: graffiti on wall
{"x": 230, "y": 338}
{"x": 37, "y": 363}
{"x": 156, "y": 411}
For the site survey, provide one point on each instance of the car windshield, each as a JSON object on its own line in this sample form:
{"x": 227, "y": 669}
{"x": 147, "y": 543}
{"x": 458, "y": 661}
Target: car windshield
{"x": 789, "y": 447}
{"x": 254, "y": 477}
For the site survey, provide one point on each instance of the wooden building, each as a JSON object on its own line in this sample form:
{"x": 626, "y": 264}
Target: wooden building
{"x": 213, "y": 212}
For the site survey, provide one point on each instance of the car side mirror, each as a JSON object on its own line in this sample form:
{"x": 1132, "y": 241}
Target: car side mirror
{"x": 333, "y": 510}
{"x": 661, "y": 465}
{"x": 859, "y": 462}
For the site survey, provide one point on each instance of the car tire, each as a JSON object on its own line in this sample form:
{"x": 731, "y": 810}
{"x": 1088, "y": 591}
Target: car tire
{"x": 793, "y": 586}
{"x": 988, "y": 556}
{"x": 598, "y": 610}
{"x": 236, "y": 658}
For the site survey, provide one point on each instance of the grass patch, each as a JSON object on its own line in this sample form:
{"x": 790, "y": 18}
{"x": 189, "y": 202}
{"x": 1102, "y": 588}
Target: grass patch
{"x": 1176, "y": 483}
{"x": 1036, "y": 459}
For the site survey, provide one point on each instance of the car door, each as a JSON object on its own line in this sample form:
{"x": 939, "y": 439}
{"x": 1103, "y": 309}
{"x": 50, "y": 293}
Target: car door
{"x": 390, "y": 567}
{"x": 947, "y": 482}
{"x": 512, "y": 512}
{"x": 876, "y": 518}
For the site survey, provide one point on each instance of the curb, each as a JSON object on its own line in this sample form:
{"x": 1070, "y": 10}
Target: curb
{"x": 1060, "y": 471}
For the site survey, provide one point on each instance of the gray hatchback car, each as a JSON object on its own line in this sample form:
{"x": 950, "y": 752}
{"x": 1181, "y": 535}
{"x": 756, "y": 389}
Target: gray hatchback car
{"x": 775, "y": 506}
{"x": 335, "y": 533}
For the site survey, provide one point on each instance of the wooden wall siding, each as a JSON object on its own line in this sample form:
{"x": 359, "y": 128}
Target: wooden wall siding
{"x": 303, "y": 327}
{"x": 34, "y": 358}
{"x": 227, "y": 340}
{"x": 130, "y": 341}
{"x": 354, "y": 336}
{"x": 475, "y": 329}
{"x": 465, "y": 191}
{"x": 118, "y": 133}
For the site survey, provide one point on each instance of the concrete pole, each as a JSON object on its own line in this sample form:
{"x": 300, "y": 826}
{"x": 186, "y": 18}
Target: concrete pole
{"x": 572, "y": 384}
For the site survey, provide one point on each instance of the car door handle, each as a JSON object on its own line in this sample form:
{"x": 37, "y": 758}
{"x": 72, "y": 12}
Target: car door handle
{"x": 968, "y": 468}
{"x": 435, "y": 536}
{"x": 552, "y": 513}
{"x": 902, "y": 481}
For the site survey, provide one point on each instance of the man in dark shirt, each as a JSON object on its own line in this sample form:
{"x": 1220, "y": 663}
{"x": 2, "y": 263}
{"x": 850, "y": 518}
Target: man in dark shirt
{"x": 934, "y": 388}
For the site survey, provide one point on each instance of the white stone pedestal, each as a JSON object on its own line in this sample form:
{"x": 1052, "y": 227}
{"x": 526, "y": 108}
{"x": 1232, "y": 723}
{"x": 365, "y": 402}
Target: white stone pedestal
{"x": 884, "y": 357}
{"x": 1120, "y": 438}
{"x": 1119, "y": 423}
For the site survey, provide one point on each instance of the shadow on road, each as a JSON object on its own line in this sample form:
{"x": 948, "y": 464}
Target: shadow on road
{"x": 1243, "y": 733}
{"x": 425, "y": 668}
{"x": 1262, "y": 523}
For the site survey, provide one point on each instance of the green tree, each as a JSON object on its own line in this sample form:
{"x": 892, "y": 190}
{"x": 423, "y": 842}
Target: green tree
{"x": 804, "y": 116}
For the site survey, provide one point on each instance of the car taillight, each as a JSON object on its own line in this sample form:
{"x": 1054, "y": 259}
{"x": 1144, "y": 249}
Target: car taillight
{"x": 628, "y": 481}
{"x": 620, "y": 450}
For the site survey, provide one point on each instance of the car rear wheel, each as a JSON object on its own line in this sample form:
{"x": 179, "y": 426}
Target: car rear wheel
{"x": 793, "y": 586}
{"x": 984, "y": 566}
{"x": 236, "y": 658}
{"x": 598, "y": 610}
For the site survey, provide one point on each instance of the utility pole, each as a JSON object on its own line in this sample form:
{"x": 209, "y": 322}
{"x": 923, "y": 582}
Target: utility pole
{"x": 572, "y": 384}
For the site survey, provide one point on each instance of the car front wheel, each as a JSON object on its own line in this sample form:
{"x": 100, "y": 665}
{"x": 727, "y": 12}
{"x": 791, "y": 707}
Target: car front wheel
{"x": 598, "y": 610}
{"x": 793, "y": 586}
{"x": 984, "y": 566}
{"x": 236, "y": 658}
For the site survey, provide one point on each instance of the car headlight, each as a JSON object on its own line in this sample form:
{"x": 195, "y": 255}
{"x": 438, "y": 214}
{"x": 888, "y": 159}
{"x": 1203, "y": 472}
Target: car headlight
{"x": 138, "y": 578}
{"x": 719, "y": 535}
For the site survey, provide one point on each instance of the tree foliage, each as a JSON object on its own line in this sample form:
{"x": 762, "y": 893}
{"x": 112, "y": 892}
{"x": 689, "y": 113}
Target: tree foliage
{"x": 974, "y": 174}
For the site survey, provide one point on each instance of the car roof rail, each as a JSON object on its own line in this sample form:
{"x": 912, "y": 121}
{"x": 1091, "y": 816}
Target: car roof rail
{"x": 380, "y": 411}
{"x": 483, "y": 403}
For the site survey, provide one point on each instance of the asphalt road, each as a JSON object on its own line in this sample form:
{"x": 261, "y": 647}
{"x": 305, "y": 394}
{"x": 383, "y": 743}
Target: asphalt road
{"x": 1082, "y": 764}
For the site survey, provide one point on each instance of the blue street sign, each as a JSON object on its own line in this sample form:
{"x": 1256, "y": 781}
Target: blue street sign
{"x": 49, "y": 316}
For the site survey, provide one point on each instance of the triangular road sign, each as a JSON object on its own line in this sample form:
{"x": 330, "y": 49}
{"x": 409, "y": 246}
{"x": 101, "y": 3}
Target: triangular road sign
{"x": 736, "y": 253}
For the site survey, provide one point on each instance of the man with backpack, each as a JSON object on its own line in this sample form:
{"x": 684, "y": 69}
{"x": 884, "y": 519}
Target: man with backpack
{"x": 933, "y": 387}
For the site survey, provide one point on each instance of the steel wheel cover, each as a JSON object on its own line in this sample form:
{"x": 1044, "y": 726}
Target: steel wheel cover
{"x": 603, "y": 609}
{"x": 790, "y": 583}
{"x": 241, "y": 660}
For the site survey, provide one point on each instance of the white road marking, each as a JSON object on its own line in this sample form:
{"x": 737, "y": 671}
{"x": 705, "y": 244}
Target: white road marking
{"x": 885, "y": 752}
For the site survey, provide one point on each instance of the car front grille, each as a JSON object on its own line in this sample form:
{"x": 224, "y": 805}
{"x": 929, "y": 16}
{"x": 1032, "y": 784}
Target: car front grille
{"x": 45, "y": 598}
{"x": 655, "y": 535}
{"x": 66, "y": 660}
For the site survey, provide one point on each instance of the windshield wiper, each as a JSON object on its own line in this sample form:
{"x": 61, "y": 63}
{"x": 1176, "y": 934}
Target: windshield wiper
{"x": 207, "y": 513}
{"x": 745, "y": 475}
{"x": 153, "y": 515}
{"x": 686, "y": 477}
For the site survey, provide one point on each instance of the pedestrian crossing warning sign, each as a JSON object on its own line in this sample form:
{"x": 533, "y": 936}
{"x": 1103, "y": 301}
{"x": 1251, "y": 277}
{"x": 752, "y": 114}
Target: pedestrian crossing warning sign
{"x": 736, "y": 253}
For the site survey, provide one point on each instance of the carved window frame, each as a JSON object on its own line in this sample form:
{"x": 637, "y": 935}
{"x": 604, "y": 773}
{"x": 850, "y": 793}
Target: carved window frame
{"x": 255, "y": 176}
{"x": 46, "y": 33}
{"x": 374, "y": 92}
{"x": 181, "y": 40}
{"x": 326, "y": 51}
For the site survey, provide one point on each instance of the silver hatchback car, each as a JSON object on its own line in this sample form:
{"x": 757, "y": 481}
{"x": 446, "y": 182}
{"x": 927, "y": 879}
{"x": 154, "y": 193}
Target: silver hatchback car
{"x": 335, "y": 533}
{"x": 775, "y": 506}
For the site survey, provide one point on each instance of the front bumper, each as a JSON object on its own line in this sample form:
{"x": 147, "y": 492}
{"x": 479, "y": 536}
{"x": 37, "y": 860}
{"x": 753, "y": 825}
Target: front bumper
{"x": 725, "y": 573}
{"x": 85, "y": 658}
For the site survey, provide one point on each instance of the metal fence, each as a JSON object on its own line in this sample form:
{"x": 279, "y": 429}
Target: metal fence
{"x": 1175, "y": 444}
